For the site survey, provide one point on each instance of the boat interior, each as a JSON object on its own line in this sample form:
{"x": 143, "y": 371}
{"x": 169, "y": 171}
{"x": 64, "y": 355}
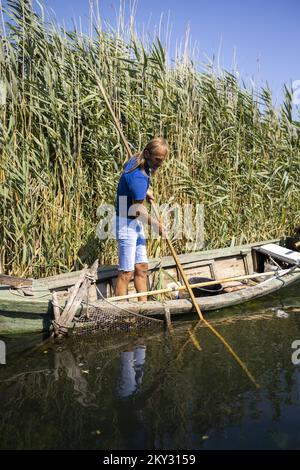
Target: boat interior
{"x": 202, "y": 266}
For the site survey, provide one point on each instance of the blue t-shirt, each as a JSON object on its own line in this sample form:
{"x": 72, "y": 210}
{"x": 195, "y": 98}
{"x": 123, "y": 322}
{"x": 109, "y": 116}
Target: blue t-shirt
{"x": 133, "y": 186}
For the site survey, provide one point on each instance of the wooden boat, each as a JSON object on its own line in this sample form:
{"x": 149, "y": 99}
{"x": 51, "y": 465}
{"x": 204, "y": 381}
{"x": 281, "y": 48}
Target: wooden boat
{"x": 26, "y": 305}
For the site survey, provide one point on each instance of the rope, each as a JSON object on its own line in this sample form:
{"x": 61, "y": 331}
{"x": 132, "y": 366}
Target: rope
{"x": 61, "y": 329}
{"x": 57, "y": 305}
{"x": 114, "y": 305}
{"x": 18, "y": 294}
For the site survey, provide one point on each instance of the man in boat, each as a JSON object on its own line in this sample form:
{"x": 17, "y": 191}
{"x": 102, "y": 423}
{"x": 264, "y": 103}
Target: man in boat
{"x": 131, "y": 212}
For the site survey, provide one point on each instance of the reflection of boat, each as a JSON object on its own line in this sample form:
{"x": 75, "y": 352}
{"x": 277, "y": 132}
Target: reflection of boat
{"x": 26, "y": 304}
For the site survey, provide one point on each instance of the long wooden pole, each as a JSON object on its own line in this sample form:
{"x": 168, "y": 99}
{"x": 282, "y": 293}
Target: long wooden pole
{"x": 189, "y": 289}
{"x": 169, "y": 243}
{"x": 180, "y": 287}
{"x": 180, "y": 268}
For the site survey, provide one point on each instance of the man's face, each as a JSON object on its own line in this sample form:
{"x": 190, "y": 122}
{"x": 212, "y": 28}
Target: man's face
{"x": 156, "y": 159}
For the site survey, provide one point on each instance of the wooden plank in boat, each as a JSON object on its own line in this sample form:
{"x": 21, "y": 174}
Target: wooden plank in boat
{"x": 201, "y": 271}
{"x": 229, "y": 267}
{"x": 15, "y": 281}
{"x": 199, "y": 263}
{"x": 281, "y": 253}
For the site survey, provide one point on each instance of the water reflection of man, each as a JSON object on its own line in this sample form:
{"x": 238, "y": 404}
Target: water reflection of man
{"x": 131, "y": 371}
{"x": 130, "y": 413}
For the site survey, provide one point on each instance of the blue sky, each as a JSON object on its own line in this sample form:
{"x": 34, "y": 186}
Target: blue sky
{"x": 262, "y": 35}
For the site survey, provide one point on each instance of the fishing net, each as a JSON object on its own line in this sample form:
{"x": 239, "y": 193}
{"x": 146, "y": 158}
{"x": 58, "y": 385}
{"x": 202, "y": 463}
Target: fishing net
{"x": 103, "y": 315}
{"x": 98, "y": 318}
{"x": 108, "y": 317}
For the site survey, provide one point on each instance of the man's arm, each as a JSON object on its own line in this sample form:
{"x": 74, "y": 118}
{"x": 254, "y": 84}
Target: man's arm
{"x": 140, "y": 192}
{"x": 139, "y": 210}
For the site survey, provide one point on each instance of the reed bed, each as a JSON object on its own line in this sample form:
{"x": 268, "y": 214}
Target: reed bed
{"x": 60, "y": 154}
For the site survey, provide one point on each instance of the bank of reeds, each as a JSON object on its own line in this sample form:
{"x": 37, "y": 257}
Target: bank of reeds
{"x": 61, "y": 156}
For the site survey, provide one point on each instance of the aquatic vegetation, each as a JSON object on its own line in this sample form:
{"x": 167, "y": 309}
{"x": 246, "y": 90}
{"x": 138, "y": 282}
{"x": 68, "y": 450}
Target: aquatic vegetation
{"x": 60, "y": 154}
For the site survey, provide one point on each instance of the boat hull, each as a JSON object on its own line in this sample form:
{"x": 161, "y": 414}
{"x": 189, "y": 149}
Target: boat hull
{"x": 22, "y": 314}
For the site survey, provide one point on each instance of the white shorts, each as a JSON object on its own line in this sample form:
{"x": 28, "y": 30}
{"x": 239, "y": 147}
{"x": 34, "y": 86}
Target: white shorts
{"x": 131, "y": 243}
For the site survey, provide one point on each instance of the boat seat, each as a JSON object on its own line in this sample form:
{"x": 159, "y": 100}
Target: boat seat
{"x": 280, "y": 253}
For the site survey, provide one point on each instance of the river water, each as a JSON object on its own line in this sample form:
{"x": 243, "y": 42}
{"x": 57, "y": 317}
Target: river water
{"x": 160, "y": 390}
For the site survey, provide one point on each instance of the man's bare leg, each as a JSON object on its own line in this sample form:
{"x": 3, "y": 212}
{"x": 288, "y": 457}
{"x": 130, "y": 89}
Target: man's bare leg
{"x": 122, "y": 282}
{"x": 140, "y": 279}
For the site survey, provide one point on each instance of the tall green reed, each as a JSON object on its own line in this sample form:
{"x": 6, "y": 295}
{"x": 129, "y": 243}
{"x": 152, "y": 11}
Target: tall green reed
{"x": 60, "y": 155}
